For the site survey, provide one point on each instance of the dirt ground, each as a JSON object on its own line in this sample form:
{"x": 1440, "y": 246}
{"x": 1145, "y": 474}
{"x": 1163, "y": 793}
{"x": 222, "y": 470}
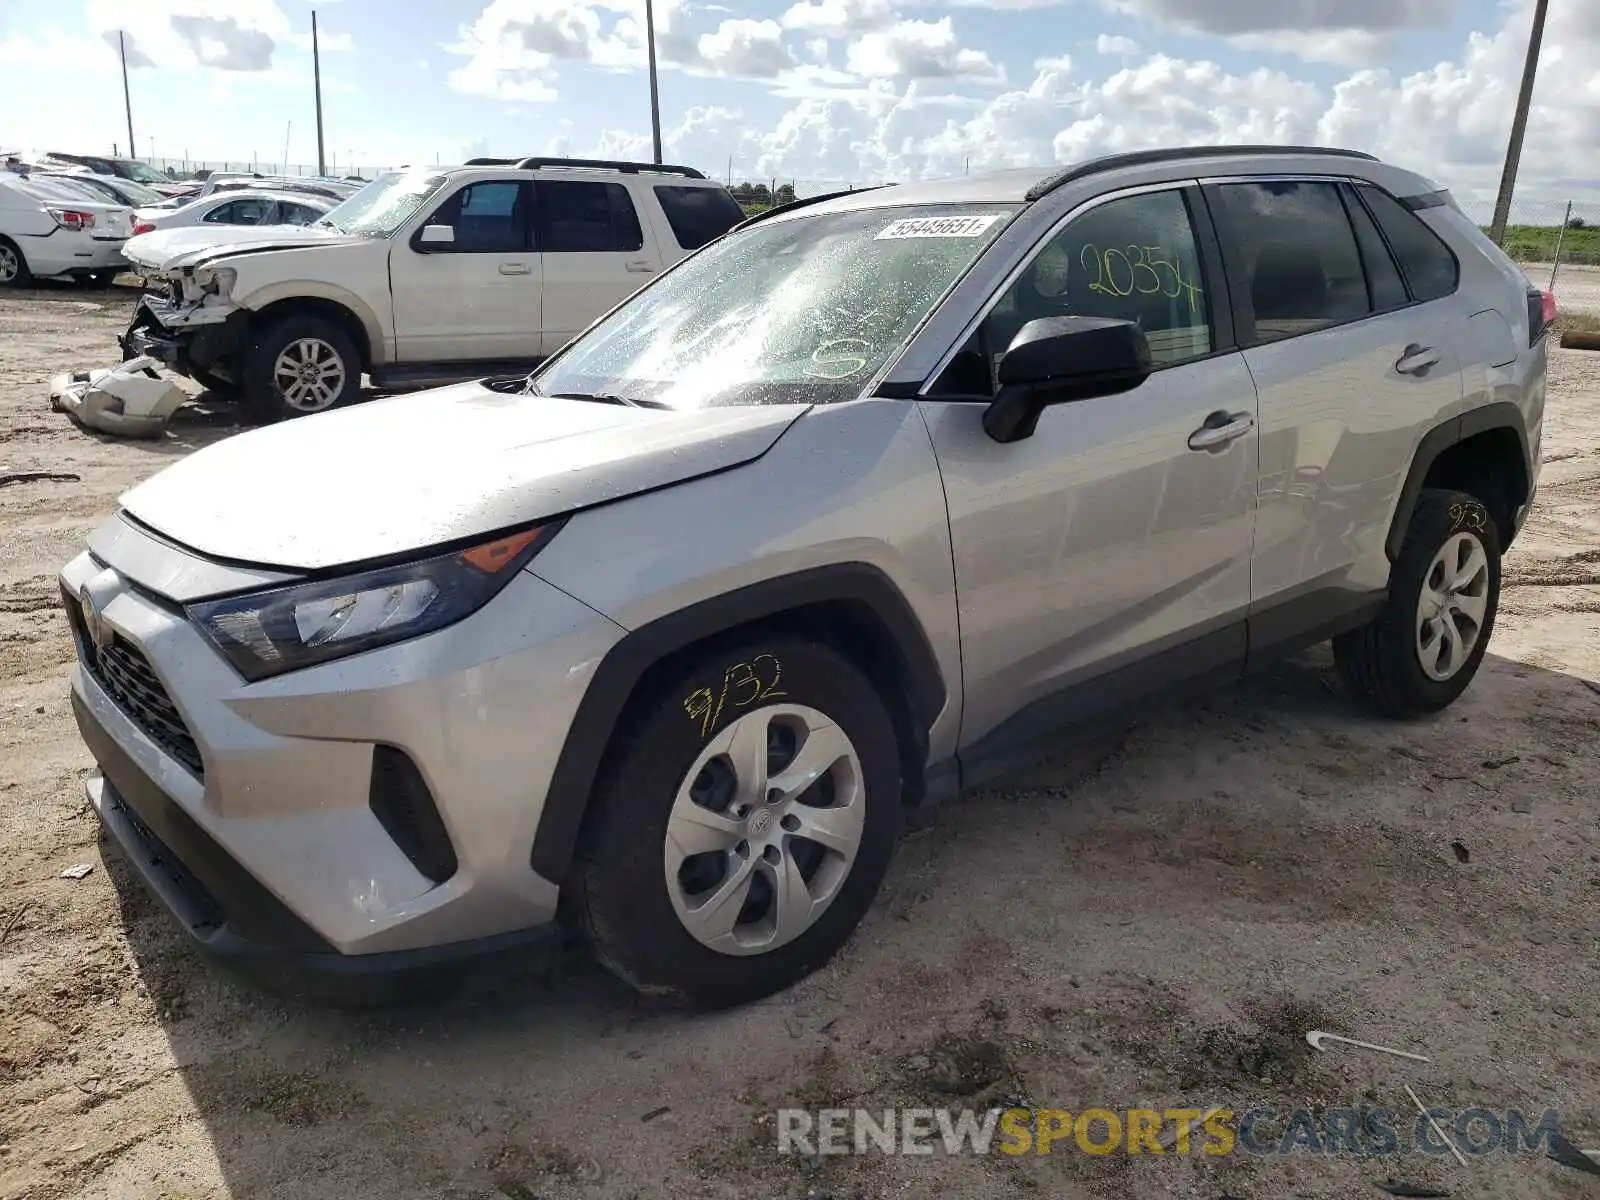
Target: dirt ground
{"x": 1155, "y": 923}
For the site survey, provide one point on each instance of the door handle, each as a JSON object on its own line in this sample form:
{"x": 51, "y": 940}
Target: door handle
{"x": 1220, "y": 429}
{"x": 1417, "y": 359}
{"x": 515, "y": 269}
{"x": 639, "y": 266}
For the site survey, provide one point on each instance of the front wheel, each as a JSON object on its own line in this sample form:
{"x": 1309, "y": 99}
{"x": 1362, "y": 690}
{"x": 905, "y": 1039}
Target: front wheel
{"x": 742, "y": 827}
{"x": 300, "y": 365}
{"x": 1423, "y": 649}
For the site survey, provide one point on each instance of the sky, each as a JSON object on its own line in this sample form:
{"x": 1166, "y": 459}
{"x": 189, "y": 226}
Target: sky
{"x": 821, "y": 92}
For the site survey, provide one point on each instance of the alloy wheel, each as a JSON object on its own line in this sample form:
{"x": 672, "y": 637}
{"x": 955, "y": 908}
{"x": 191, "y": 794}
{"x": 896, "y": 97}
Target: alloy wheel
{"x": 309, "y": 375}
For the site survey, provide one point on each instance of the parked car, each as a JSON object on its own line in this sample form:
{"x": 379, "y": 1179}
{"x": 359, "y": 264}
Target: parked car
{"x": 421, "y": 276}
{"x": 864, "y": 503}
{"x": 121, "y": 168}
{"x": 332, "y": 189}
{"x": 253, "y": 207}
{"x": 107, "y": 188}
{"x": 49, "y": 229}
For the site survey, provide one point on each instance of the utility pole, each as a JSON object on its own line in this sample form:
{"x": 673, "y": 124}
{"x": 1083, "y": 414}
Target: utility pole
{"x": 1519, "y": 125}
{"x": 655, "y": 97}
{"x": 127, "y": 101}
{"x": 316, "y": 76}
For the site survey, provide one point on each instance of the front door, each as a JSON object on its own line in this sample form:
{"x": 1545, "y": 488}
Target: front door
{"x": 476, "y": 296}
{"x": 594, "y": 252}
{"x": 1108, "y": 555}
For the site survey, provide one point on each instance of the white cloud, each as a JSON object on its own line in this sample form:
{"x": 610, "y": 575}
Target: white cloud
{"x": 920, "y": 50}
{"x": 1056, "y": 62}
{"x": 1106, "y": 44}
{"x": 750, "y": 48}
{"x": 226, "y": 35}
{"x": 839, "y": 18}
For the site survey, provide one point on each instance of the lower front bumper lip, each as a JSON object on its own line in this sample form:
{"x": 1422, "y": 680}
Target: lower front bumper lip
{"x": 223, "y": 909}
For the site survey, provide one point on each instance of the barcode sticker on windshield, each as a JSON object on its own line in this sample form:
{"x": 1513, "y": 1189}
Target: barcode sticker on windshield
{"x": 937, "y": 227}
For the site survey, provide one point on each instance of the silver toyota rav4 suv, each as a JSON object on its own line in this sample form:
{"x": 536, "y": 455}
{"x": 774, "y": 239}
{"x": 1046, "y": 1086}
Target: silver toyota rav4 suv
{"x": 860, "y": 505}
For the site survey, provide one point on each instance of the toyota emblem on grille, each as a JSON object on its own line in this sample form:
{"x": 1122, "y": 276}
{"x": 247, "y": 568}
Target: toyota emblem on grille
{"x": 94, "y": 625}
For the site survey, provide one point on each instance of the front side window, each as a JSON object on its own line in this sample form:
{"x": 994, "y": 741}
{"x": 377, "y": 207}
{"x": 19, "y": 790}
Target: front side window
{"x": 698, "y": 214}
{"x": 240, "y": 212}
{"x": 1301, "y": 266}
{"x": 1134, "y": 259}
{"x": 1426, "y": 262}
{"x": 577, "y": 218}
{"x": 297, "y": 214}
{"x": 488, "y": 217}
{"x": 804, "y": 310}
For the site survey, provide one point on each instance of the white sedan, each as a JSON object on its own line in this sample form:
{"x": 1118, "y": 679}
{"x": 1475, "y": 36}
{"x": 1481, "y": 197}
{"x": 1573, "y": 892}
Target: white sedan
{"x": 237, "y": 208}
{"x": 48, "y": 230}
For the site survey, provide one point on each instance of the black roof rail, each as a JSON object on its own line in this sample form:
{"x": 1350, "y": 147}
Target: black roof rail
{"x": 602, "y": 164}
{"x": 802, "y": 202}
{"x": 1140, "y": 158}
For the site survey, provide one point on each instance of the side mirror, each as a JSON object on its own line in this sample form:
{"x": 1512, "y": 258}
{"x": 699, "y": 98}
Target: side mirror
{"x": 1056, "y": 360}
{"x": 437, "y": 235}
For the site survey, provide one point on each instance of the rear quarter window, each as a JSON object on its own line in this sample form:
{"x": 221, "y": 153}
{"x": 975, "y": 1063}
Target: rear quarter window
{"x": 1429, "y": 266}
{"x": 698, "y": 214}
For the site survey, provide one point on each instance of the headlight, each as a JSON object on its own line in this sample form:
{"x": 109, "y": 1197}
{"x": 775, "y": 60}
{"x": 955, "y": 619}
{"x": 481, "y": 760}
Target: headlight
{"x": 267, "y": 633}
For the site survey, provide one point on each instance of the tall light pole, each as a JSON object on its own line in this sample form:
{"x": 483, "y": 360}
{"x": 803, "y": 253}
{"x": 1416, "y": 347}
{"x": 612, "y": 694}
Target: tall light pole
{"x": 316, "y": 76}
{"x": 655, "y": 98}
{"x": 127, "y": 101}
{"x": 1519, "y": 125}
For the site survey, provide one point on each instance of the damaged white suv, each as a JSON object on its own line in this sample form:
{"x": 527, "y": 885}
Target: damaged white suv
{"x": 421, "y": 277}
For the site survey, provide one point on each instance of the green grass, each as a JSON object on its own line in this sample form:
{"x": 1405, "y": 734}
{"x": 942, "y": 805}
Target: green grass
{"x": 1537, "y": 243}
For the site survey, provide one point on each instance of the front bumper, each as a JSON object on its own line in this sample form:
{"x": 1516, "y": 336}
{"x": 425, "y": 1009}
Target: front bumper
{"x": 249, "y": 808}
{"x": 185, "y": 348}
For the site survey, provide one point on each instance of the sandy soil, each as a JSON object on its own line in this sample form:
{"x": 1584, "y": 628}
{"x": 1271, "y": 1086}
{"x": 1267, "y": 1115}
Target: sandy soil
{"x": 1157, "y": 922}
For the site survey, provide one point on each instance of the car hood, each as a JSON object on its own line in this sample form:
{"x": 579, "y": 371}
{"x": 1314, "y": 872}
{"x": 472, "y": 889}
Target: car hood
{"x": 191, "y": 245}
{"x": 398, "y": 476}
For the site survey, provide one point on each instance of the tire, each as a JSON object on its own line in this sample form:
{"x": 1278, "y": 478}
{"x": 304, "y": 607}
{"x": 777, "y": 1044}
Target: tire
{"x": 1404, "y": 663}
{"x": 14, "y": 272}
{"x": 624, "y": 894}
{"x": 298, "y": 336}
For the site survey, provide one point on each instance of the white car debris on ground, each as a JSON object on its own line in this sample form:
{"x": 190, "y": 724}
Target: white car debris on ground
{"x": 132, "y": 399}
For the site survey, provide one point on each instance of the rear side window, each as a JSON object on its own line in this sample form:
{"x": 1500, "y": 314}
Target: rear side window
{"x": 1430, "y": 268}
{"x": 1301, "y": 265}
{"x": 1383, "y": 277}
{"x": 698, "y": 214}
{"x": 580, "y": 218}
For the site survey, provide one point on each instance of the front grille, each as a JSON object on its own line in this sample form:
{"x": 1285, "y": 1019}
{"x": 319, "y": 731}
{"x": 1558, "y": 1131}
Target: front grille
{"x": 127, "y": 677}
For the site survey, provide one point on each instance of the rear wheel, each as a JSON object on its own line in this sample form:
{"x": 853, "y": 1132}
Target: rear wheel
{"x": 1424, "y": 648}
{"x": 300, "y": 365}
{"x": 13, "y": 266}
{"x": 743, "y": 825}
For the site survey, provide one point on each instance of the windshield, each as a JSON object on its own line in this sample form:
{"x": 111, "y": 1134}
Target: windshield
{"x": 384, "y": 205}
{"x": 799, "y": 311}
{"x": 142, "y": 172}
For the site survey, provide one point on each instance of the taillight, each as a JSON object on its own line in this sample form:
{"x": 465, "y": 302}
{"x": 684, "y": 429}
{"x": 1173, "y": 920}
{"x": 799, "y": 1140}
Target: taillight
{"x": 71, "y": 218}
{"x": 1548, "y": 306}
{"x": 143, "y": 227}
{"x": 1541, "y": 314}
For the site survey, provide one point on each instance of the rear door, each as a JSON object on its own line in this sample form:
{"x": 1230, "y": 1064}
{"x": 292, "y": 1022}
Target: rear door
{"x": 592, "y": 249}
{"x": 1347, "y": 366}
{"x": 476, "y": 296}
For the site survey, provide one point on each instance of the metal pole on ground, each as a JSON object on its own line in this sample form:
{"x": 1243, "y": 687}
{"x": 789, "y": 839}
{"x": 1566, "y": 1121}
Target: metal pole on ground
{"x": 127, "y": 100}
{"x": 1561, "y": 236}
{"x": 1519, "y": 125}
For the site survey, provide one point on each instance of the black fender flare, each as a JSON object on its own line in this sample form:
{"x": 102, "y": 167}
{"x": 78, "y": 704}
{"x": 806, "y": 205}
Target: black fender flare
{"x": 626, "y": 664}
{"x": 1500, "y": 415}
